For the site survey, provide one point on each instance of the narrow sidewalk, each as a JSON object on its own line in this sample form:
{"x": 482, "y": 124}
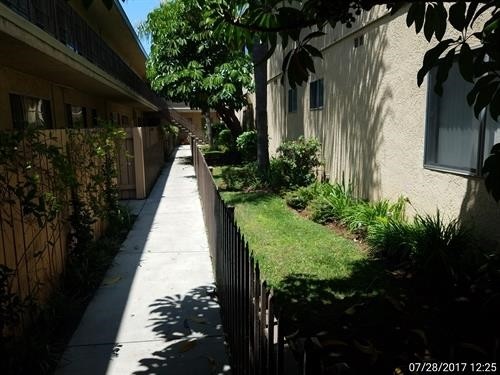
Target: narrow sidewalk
{"x": 153, "y": 313}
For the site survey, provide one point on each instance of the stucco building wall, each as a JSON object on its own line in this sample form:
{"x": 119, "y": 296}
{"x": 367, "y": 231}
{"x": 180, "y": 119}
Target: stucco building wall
{"x": 372, "y": 124}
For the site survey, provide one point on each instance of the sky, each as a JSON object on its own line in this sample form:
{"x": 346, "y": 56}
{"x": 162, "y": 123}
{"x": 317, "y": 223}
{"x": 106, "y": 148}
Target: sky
{"x": 137, "y": 11}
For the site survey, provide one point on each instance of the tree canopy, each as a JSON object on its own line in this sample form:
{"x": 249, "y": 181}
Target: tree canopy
{"x": 190, "y": 63}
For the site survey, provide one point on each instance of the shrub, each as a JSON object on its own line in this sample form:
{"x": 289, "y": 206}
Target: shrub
{"x": 241, "y": 178}
{"x": 294, "y": 165}
{"x": 217, "y": 128}
{"x": 331, "y": 202}
{"x": 300, "y": 198}
{"x": 361, "y": 215}
{"x": 395, "y": 240}
{"x": 224, "y": 140}
{"x": 440, "y": 247}
{"x": 439, "y": 252}
{"x": 246, "y": 143}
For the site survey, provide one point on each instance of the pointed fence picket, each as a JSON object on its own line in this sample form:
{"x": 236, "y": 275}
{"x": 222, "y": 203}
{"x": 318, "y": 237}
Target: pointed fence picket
{"x": 250, "y": 318}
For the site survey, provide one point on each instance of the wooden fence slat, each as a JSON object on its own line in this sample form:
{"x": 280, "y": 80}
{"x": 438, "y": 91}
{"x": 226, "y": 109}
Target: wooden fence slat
{"x": 254, "y": 332}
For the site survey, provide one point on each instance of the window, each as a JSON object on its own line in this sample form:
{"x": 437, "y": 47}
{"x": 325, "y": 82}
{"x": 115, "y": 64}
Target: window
{"x": 115, "y": 118}
{"x": 76, "y": 116}
{"x": 292, "y": 100}
{"x": 455, "y": 139}
{"x": 94, "y": 117}
{"x": 359, "y": 41}
{"x": 124, "y": 121}
{"x": 316, "y": 94}
{"x": 29, "y": 111}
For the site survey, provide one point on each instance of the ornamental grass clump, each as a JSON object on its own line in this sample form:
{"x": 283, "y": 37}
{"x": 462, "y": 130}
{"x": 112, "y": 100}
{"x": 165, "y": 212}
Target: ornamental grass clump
{"x": 331, "y": 203}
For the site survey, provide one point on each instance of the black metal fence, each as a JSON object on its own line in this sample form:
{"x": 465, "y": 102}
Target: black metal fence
{"x": 57, "y": 18}
{"x": 250, "y": 320}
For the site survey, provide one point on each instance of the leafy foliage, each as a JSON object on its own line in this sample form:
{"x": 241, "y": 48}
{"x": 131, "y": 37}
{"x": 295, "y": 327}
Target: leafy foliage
{"x": 361, "y": 215}
{"x": 48, "y": 182}
{"x": 246, "y": 143}
{"x": 294, "y": 164}
{"x": 300, "y": 198}
{"x": 330, "y": 202}
{"x": 241, "y": 178}
{"x": 480, "y": 66}
{"x": 491, "y": 171}
{"x": 190, "y": 63}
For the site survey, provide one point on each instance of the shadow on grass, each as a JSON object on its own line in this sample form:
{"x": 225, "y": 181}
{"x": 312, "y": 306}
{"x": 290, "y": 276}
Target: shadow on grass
{"x": 375, "y": 322}
{"x": 311, "y": 302}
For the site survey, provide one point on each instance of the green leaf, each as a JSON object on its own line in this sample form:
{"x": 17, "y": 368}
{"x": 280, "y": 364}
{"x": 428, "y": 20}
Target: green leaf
{"x": 466, "y": 63}
{"x": 419, "y": 16}
{"x": 443, "y": 69}
{"x": 410, "y": 16}
{"x": 470, "y": 12}
{"x": 440, "y": 18}
{"x": 313, "y": 51}
{"x": 484, "y": 97}
{"x": 495, "y": 106}
{"x": 429, "y": 26}
{"x": 306, "y": 61}
{"x": 430, "y": 59}
{"x": 480, "y": 11}
{"x": 491, "y": 25}
{"x": 457, "y": 15}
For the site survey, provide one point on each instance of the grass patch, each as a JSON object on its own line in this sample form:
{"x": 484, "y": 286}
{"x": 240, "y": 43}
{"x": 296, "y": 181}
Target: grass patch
{"x": 421, "y": 292}
{"x": 312, "y": 269}
{"x": 286, "y": 243}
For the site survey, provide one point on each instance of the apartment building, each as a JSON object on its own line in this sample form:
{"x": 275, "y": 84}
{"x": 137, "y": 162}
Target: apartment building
{"x": 382, "y": 132}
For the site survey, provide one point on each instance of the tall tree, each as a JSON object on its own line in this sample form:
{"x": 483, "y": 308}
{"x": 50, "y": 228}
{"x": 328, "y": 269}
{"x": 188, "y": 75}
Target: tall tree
{"x": 191, "y": 64}
{"x": 260, "y": 75}
{"x": 286, "y": 19}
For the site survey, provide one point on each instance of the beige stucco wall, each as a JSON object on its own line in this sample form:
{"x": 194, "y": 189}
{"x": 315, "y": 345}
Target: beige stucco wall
{"x": 372, "y": 125}
{"x": 15, "y": 82}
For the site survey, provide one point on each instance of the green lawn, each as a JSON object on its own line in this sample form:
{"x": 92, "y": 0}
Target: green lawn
{"x": 314, "y": 271}
{"x": 371, "y": 315}
{"x": 287, "y": 244}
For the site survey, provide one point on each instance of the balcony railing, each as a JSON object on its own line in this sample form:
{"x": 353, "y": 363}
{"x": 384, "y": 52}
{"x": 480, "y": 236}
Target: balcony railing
{"x": 57, "y": 18}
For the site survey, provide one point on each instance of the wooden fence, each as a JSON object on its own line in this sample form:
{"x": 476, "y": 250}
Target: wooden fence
{"x": 141, "y": 159}
{"x": 249, "y": 317}
{"x": 36, "y": 250}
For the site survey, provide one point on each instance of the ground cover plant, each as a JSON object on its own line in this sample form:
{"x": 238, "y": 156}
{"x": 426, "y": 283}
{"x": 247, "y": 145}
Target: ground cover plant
{"x": 405, "y": 290}
{"x": 434, "y": 312}
{"x": 49, "y": 186}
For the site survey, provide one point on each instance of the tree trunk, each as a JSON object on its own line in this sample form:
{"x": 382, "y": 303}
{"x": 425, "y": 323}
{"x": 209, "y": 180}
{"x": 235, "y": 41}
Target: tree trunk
{"x": 208, "y": 124}
{"x": 230, "y": 119}
{"x": 260, "y": 77}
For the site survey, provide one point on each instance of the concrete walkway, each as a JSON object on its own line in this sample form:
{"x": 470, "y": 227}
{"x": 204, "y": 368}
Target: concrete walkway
{"x": 153, "y": 313}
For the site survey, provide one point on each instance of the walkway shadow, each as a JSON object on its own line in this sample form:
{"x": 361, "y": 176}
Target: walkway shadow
{"x": 190, "y": 326}
{"x": 97, "y": 330}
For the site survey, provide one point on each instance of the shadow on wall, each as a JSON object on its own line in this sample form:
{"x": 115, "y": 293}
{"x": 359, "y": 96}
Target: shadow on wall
{"x": 480, "y": 211}
{"x": 188, "y": 327}
{"x": 356, "y": 107}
